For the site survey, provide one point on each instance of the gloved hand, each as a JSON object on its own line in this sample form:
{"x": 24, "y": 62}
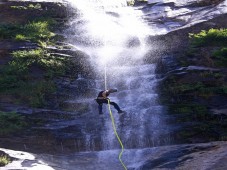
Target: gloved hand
{"x": 112, "y": 90}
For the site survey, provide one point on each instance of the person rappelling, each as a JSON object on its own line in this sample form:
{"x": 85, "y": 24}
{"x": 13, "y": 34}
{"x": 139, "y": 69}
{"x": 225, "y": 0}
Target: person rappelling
{"x": 103, "y": 98}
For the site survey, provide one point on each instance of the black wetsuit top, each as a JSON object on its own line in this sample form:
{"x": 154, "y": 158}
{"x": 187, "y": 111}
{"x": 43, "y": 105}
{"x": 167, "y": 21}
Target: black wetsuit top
{"x": 100, "y": 94}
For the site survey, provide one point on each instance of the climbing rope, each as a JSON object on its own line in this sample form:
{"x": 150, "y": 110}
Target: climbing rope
{"x": 114, "y": 127}
{"x": 116, "y": 134}
{"x": 105, "y": 77}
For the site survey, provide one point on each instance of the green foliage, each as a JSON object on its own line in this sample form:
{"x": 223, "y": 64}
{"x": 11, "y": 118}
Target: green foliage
{"x": 221, "y": 56}
{"x": 185, "y": 88}
{"x": 36, "y": 31}
{"x": 4, "y": 160}
{"x": 9, "y": 31}
{"x": 201, "y": 130}
{"x": 27, "y": 57}
{"x": 35, "y": 93}
{"x": 193, "y": 111}
{"x": 133, "y": 2}
{"x": 19, "y": 7}
{"x": 210, "y": 37}
{"x": 211, "y": 74}
{"x": 11, "y": 122}
{"x": 223, "y": 138}
{"x": 36, "y": 6}
{"x": 224, "y": 89}
{"x": 20, "y": 37}
{"x": 16, "y": 78}
{"x": 29, "y": 6}
{"x": 222, "y": 53}
{"x": 40, "y": 57}
{"x": 130, "y": 2}
{"x": 198, "y": 89}
{"x": 17, "y": 70}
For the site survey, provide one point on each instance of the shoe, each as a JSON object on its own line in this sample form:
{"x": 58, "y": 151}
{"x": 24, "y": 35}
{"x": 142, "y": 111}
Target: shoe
{"x": 121, "y": 112}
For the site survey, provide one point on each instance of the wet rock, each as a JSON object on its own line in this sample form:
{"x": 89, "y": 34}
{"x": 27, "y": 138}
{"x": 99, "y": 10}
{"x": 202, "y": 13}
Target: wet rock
{"x": 196, "y": 157}
{"x": 139, "y": 3}
{"x": 75, "y": 106}
{"x": 206, "y": 3}
{"x": 220, "y": 112}
{"x": 179, "y": 157}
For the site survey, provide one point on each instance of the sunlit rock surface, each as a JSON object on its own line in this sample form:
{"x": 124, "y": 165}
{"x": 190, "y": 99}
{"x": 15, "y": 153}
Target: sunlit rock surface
{"x": 24, "y": 160}
{"x": 169, "y": 15}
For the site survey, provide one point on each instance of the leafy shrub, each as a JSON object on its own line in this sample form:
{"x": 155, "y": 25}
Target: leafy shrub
{"x": 11, "y": 122}
{"x": 224, "y": 89}
{"x": 9, "y": 31}
{"x": 16, "y": 78}
{"x": 130, "y": 2}
{"x": 17, "y": 70}
{"x": 36, "y": 6}
{"x": 40, "y": 57}
{"x": 29, "y": 6}
{"x": 19, "y": 7}
{"x": 36, "y": 31}
{"x": 4, "y": 160}
{"x": 20, "y": 37}
{"x": 221, "y": 56}
{"x": 210, "y": 37}
{"x": 184, "y": 88}
{"x": 221, "y": 53}
{"x": 27, "y": 57}
{"x": 35, "y": 93}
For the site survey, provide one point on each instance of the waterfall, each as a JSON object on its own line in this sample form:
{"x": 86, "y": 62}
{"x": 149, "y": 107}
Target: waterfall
{"x": 114, "y": 36}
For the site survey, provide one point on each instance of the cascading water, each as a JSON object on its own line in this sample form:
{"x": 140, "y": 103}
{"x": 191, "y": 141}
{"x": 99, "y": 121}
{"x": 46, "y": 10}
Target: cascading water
{"x": 113, "y": 35}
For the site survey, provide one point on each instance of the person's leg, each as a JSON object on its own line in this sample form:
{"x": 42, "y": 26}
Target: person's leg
{"x": 116, "y": 107}
{"x": 100, "y": 109}
{"x": 100, "y": 102}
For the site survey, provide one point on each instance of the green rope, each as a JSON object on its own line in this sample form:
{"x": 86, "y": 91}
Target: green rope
{"x": 113, "y": 124}
{"x": 116, "y": 134}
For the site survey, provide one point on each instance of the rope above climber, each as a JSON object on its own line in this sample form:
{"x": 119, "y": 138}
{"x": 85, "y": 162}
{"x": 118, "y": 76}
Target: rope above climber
{"x": 103, "y": 98}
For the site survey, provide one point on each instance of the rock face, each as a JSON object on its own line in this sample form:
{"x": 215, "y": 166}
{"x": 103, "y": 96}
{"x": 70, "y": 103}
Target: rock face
{"x": 177, "y": 41}
{"x": 175, "y": 22}
{"x": 20, "y": 13}
{"x": 188, "y": 157}
{"x": 15, "y": 13}
{"x": 194, "y": 80}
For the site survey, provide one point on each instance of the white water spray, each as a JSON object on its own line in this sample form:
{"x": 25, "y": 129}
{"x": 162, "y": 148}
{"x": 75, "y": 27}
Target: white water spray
{"x": 113, "y": 35}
